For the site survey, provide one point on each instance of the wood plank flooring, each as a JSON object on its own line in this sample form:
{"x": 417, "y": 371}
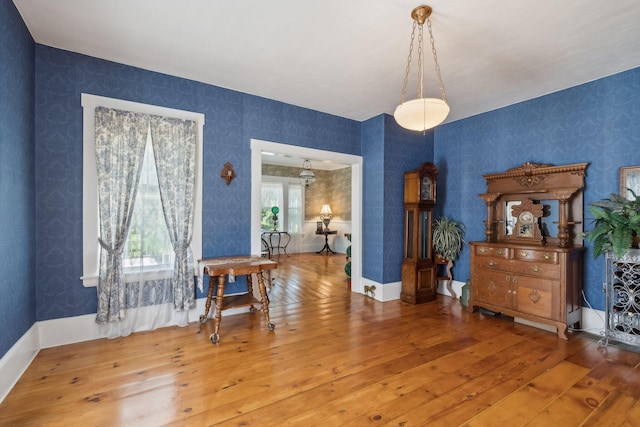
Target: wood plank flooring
{"x": 334, "y": 359}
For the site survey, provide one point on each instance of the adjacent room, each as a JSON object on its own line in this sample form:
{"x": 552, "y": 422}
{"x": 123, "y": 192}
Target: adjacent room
{"x": 319, "y": 213}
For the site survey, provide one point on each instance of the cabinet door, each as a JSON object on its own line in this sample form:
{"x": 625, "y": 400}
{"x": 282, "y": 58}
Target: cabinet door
{"x": 535, "y": 295}
{"x": 491, "y": 287}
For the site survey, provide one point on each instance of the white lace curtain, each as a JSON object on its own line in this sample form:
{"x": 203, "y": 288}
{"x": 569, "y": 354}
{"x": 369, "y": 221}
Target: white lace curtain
{"x": 143, "y": 301}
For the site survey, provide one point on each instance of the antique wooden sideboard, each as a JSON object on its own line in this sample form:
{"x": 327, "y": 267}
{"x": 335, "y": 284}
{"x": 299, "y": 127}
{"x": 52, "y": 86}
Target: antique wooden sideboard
{"x": 530, "y": 264}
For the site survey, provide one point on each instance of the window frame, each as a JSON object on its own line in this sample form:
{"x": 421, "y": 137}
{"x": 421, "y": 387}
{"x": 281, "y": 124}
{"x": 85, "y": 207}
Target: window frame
{"x": 90, "y": 218}
{"x": 284, "y": 210}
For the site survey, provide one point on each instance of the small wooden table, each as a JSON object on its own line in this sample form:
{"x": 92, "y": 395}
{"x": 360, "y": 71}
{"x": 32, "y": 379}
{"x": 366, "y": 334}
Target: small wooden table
{"x": 237, "y": 266}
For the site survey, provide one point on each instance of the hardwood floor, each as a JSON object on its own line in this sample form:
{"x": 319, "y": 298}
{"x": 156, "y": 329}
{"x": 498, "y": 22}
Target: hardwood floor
{"x": 334, "y": 359}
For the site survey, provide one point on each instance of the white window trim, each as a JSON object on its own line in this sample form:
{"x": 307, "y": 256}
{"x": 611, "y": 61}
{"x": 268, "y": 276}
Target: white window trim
{"x": 90, "y": 227}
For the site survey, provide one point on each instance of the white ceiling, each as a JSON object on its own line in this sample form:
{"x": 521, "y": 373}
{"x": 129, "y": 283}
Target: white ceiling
{"x": 348, "y": 57}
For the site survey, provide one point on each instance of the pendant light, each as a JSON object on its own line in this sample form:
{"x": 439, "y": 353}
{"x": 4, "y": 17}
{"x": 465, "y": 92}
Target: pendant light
{"x": 421, "y": 113}
{"x": 307, "y": 177}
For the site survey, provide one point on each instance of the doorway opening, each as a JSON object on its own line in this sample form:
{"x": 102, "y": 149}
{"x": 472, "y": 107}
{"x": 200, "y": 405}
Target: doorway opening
{"x": 259, "y": 146}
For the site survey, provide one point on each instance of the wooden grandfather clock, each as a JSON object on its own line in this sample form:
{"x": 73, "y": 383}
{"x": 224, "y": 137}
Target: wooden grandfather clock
{"x": 418, "y": 267}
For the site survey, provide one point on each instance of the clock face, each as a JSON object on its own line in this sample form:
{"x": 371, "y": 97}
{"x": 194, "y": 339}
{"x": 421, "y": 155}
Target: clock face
{"x": 526, "y": 217}
{"x": 525, "y": 224}
{"x": 526, "y": 214}
{"x": 426, "y": 189}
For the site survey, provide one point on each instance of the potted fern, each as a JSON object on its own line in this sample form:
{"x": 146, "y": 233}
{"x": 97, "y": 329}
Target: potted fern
{"x": 616, "y": 225}
{"x": 448, "y": 238}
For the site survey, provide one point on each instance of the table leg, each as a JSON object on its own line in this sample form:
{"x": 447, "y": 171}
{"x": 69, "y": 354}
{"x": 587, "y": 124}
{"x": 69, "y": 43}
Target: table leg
{"x": 265, "y": 301}
{"x": 252, "y": 309}
{"x": 207, "y": 305}
{"x": 215, "y": 336}
{"x": 326, "y": 246}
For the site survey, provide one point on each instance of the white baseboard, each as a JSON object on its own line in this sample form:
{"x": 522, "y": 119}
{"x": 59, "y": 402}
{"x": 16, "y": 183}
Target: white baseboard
{"x": 592, "y": 322}
{"x": 17, "y": 360}
{"x": 455, "y": 285}
{"x": 383, "y": 293}
{"x": 391, "y": 291}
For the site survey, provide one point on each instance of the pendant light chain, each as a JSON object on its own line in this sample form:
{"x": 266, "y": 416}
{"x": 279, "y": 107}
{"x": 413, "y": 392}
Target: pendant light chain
{"x": 406, "y": 73}
{"x": 420, "y": 61}
{"x": 435, "y": 59}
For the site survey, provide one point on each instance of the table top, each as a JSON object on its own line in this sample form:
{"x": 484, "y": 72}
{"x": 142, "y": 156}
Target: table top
{"x": 237, "y": 265}
{"x": 327, "y": 232}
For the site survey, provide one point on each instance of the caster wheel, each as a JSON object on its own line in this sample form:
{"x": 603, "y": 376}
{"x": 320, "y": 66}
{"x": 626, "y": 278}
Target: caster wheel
{"x": 271, "y": 326}
{"x": 203, "y": 318}
{"x": 253, "y": 310}
{"x": 215, "y": 338}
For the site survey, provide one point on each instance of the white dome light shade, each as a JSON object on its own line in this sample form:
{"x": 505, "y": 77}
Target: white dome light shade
{"x": 421, "y": 114}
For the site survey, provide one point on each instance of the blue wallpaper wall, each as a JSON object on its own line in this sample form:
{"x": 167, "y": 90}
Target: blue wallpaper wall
{"x": 404, "y": 151}
{"x": 232, "y": 118}
{"x": 388, "y": 151}
{"x": 17, "y": 202}
{"x": 598, "y": 122}
{"x": 373, "y": 201}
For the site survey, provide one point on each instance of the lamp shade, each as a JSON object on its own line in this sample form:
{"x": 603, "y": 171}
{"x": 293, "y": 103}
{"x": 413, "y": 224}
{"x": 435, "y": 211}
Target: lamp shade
{"x": 421, "y": 114}
{"x": 326, "y": 210}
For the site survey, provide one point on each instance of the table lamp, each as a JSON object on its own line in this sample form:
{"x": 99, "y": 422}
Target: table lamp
{"x": 325, "y": 216}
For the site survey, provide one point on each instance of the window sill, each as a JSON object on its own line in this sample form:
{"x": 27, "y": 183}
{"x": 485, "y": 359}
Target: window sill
{"x": 129, "y": 277}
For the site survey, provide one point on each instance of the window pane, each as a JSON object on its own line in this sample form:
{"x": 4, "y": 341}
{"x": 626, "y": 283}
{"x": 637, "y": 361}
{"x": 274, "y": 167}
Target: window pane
{"x": 272, "y": 195}
{"x": 148, "y": 243}
{"x": 294, "y": 213}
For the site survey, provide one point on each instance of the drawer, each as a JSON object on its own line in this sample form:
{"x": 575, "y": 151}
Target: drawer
{"x": 493, "y": 263}
{"x": 535, "y": 255}
{"x": 492, "y": 251}
{"x": 538, "y": 269}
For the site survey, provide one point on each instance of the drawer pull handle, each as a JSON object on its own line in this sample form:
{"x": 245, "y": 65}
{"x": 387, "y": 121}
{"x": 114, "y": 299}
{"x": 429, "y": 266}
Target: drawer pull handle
{"x": 481, "y": 250}
{"x": 491, "y": 263}
{"x": 499, "y": 251}
{"x": 508, "y": 278}
{"x": 523, "y": 254}
{"x": 534, "y": 268}
{"x": 546, "y": 256}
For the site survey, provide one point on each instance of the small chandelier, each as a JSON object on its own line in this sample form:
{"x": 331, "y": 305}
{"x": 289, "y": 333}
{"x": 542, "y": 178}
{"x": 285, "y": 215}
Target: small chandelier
{"x": 421, "y": 113}
{"x": 307, "y": 177}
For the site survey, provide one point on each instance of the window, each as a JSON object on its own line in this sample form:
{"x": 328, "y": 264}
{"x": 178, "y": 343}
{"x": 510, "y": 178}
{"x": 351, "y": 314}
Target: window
{"x": 143, "y": 239}
{"x": 148, "y": 246}
{"x": 287, "y": 195}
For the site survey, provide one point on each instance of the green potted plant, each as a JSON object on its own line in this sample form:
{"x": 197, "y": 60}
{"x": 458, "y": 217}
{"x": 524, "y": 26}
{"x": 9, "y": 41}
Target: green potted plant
{"x": 616, "y": 225}
{"x": 448, "y": 238}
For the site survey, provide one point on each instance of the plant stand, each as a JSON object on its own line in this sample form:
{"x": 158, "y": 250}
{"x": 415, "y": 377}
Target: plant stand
{"x": 448, "y": 276}
{"x": 622, "y": 310}
{"x": 347, "y": 267}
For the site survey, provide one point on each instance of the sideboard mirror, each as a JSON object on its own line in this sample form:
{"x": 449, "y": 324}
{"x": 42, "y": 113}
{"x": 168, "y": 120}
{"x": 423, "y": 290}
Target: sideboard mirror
{"x": 536, "y": 204}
